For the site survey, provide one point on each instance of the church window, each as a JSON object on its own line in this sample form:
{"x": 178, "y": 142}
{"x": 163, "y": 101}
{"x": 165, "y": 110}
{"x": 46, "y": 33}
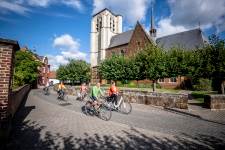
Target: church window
{"x": 173, "y": 79}
{"x": 138, "y": 43}
{"x": 161, "y": 80}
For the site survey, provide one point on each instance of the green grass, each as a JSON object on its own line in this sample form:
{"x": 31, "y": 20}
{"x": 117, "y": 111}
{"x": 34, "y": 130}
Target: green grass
{"x": 199, "y": 95}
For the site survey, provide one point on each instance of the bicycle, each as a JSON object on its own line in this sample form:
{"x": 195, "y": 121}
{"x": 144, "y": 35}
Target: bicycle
{"x": 103, "y": 112}
{"x": 82, "y": 96}
{"x": 121, "y": 106}
{"x": 61, "y": 95}
{"x": 46, "y": 91}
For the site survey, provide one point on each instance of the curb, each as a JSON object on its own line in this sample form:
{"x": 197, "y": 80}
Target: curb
{"x": 182, "y": 112}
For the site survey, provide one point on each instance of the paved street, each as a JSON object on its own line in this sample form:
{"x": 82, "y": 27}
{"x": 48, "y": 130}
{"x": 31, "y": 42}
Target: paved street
{"x": 45, "y": 123}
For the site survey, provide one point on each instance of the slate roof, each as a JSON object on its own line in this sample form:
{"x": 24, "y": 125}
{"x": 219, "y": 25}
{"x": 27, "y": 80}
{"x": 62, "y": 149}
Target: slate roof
{"x": 121, "y": 39}
{"x": 187, "y": 39}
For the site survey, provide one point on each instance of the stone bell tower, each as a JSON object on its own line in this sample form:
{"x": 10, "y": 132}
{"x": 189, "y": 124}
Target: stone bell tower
{"x": 104, "y": 25}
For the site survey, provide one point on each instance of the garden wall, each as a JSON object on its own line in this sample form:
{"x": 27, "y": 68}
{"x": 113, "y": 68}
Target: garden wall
{"x": 215, "y": 102}
{"x": 148, "y": 98}
{"x": 16, "y": 98}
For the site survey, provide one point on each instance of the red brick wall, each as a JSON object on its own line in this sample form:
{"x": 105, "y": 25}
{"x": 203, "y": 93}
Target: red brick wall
{"x": 116, "y": 50}
{"x": 138, "y": 41}
{"x": 6, "y": 72}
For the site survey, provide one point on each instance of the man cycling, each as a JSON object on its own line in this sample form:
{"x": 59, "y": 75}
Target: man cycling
{"x": 61, "y": 88}
{"x": 113, "y": 92}
{"x": 95, "y": 93}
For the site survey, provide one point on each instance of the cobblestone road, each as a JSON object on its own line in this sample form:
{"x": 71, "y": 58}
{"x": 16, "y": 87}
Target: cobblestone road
{"x": 45, "y": 123}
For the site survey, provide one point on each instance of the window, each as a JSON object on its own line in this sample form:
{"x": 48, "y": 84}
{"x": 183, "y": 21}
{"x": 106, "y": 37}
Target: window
{"x": 138, "y": 43}
{"x": 122, "y": 52}
{"x": 161, "y": 80}
{"x": 173, "y": 79}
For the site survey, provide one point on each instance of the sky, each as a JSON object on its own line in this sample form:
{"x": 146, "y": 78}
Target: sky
{"x": 60, "y": 29}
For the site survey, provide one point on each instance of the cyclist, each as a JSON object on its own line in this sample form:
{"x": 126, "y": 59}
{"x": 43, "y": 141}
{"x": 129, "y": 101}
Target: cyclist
{"x": 113, "y": 92}
{"x": 61, "y": 88}
{"x": 83, "y": 90}
{"x": 95, "y": 93}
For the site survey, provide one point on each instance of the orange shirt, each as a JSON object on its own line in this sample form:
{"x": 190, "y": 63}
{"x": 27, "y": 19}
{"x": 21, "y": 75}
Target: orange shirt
{"x": 113, "y": 90}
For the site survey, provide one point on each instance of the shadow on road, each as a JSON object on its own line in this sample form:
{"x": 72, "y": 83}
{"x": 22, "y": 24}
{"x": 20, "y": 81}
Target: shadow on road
{"x": 30, "y": 135}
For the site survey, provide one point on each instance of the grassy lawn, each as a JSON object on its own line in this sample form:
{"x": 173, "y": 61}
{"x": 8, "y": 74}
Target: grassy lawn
{"x": 199, "y": 95}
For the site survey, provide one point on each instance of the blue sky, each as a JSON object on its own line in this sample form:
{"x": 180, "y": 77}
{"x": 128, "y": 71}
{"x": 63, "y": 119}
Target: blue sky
{"x": 60, "y": 29}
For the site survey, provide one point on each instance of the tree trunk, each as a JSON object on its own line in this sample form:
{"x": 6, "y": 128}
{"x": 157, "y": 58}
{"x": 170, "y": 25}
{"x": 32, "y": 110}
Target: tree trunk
{"x": 222, "y": 87}
{"x": 137, "y": 84}
{"x": 154, "y": 85}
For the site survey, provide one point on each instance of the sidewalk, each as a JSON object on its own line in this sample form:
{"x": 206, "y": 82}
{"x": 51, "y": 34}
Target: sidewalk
{"x": 195, "y": 110}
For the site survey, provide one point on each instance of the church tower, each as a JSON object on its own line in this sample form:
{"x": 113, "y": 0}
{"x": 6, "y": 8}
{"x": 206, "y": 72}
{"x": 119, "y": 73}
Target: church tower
{"x": 152, "y": 29}
{"x": 104, "y": 25}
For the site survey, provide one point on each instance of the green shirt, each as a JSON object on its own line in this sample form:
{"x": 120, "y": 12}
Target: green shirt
{"x": 96, "y": 91}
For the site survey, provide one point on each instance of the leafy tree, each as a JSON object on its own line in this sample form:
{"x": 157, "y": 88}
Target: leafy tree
{"x": 154, "y": 62}
{"x": 26, "y": 68}
{"x": 114, "y": 68}
{"x": 74, "y": 71}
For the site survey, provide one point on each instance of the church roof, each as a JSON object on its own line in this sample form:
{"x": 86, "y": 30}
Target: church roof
{"x": 121, "y": 39}
{"x": 187, "y": 39}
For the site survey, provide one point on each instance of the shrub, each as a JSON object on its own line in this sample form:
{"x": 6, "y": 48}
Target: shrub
{"x": 203, "y": 85}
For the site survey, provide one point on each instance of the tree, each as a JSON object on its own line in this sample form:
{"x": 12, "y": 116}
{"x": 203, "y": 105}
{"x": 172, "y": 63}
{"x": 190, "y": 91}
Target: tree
{"x": 74, "y": 71}
{"x": 26, "y": 68}
{"x": 217, "y": 60}
{"x": 115, "y": 68}
{"x": 153, "y": 59}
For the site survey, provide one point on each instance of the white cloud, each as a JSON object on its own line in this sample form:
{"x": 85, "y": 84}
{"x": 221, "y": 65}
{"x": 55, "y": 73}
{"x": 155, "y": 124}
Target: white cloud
{"x": 165, "y": 27}
{"x": 189, "y": 13}
{"x": 69, "y": 49}
{"x": 41, "y": 3}
{"x": 13, "y": 7}
{"x": 66, "y": 41}
{"x": 74, "y": 3}
{"x": 18, "y": 6}
{"x": 131, "y": 10}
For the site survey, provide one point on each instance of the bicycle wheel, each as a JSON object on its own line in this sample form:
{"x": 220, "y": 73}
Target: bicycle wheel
{"x": 125, "y": 108}
{"x": 87, "y": 109}
{"x": 105, "y": 113}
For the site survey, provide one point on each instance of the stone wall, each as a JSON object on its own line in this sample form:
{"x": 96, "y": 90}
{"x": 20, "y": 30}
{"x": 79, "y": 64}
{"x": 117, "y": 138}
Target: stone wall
{"x": 215, "y": 102}
{"x": 148, "y": 98}
{"x": 156, "y": 99}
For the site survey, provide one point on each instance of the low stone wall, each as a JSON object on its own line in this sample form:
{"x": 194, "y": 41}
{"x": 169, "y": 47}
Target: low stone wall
{"x": 215, "y": 102}
{"x": 156, "y": 99}
{"x": 148, "y": 98}
{"x": 17, "y": 97}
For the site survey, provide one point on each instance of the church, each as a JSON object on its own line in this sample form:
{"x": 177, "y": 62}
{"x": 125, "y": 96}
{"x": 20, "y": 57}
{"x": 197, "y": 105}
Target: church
{"x": 107, "y": 39}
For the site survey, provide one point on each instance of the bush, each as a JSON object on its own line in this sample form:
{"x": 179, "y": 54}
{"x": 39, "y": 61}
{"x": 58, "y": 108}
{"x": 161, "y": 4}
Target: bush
{"x": 203, "y": 85}
{"x": 158, "y": 86}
